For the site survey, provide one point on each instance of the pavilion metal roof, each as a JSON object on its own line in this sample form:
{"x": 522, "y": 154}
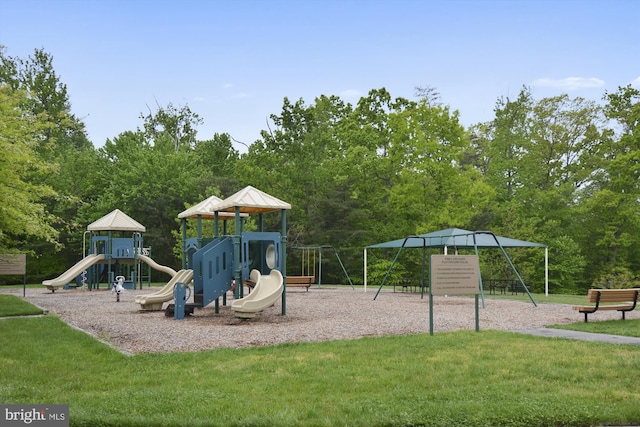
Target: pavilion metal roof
{"x": 457, "y": 238}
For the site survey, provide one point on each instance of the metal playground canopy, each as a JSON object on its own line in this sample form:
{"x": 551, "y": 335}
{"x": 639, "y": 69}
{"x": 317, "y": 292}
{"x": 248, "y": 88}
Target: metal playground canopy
{"x": 456, "y": 238}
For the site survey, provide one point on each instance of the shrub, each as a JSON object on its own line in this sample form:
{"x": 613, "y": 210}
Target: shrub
{"x": 617, "y": 278}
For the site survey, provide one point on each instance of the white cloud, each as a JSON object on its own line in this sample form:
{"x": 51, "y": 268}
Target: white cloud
{"x": 350, "y": 94}
{"x": 227, "y": 85}
{"x": 569, "y": 83}
{"x": 241, "y": 95}
{"x": 636, "y": 82}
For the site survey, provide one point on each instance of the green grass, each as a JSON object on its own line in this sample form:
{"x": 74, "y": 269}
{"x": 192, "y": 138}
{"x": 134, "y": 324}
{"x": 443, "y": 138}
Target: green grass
{"x": 11, "y": 305}
{"x": 102, "y": 285}
{"x": 20, "y": 286}
{"x": 540, "y": 298}
{"x": 462, "y": 378}
{"x": 630, "y": 328}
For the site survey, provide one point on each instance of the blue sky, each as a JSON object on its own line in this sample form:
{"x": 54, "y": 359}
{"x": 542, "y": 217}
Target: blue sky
{"x": 233, "y": 62}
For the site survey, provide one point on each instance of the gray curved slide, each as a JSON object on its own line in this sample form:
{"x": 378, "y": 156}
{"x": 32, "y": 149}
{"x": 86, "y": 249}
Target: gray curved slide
{"x": 73, "y": 272}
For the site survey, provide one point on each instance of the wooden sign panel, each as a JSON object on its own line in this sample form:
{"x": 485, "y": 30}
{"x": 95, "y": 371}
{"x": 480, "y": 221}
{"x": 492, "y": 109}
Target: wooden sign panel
{"x": 455, "y": 275}
{"x": 11, "y": 264}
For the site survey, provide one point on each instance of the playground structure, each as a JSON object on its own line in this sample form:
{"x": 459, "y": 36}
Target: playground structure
{"x": 212, "y": 264}
{"x": 224, "y": 259}
{"x": 108, "y": 256}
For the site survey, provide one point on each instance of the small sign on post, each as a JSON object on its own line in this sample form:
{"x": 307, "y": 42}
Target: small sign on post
{"x": 453, "y": 275}
{"x": 11, "y": 264}
{"x": 14, "y": 264}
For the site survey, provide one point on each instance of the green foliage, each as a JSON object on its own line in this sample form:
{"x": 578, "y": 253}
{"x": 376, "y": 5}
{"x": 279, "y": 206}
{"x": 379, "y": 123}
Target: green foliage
{"x": 60, "y": 158}
{"x": 171, "y": 127}
{"x": 149, "y": 184}
{"x": 617, "y": 278}
{"x": 379, "y": 271}
{"x": 567, "y": 267}
{"x": 23, "y": 214}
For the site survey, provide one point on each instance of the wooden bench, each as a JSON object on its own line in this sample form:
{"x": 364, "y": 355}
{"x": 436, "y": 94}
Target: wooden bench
{"x": 627, "y": 297}
{"x": 300, "y": 281}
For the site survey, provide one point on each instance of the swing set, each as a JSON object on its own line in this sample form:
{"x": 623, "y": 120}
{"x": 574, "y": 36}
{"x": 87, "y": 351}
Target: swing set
{"x": 310, "y": 258}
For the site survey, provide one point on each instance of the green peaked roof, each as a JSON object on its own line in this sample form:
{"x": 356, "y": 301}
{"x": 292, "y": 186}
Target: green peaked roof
{"x": 456, "y": 238}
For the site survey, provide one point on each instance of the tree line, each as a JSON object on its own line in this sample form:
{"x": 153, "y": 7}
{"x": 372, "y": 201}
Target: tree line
{"x": 561, "y": 171}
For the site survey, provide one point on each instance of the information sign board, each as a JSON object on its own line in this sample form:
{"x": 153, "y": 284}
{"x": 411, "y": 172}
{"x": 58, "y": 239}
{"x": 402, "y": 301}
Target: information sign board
{"x": 11, "y": 264}
{"x": 455, "y": 275}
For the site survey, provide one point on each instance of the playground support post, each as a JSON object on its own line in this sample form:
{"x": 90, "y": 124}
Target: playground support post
{"x": 184, "y": 243}
{"x": 283, "y": 259}
{"x": 236, "y": 255}
{"x": 180, "y": 296}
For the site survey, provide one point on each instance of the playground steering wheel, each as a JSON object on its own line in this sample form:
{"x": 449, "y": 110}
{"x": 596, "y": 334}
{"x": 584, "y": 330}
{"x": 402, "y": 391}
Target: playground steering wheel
{"x": 184, "y": 286}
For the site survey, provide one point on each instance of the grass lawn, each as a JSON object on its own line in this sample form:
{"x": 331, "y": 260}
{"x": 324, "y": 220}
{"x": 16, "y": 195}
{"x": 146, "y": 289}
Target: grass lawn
{"x": 542, "y": 299}
{"x": 460, "y": 378}
{"x": 630, "y": 328}
{"x": 11, "y": 305}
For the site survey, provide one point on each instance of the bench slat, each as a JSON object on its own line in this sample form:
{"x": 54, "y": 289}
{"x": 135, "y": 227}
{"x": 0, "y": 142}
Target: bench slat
{"x": 611, "y": 295}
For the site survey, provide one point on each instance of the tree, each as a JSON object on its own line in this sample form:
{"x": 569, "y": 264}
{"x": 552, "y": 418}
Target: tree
{"x": 61, "y": 144}
{"x": 296, "y": 163}
{"x": 435, "y": 189}
{"x": 539, "y": 156}
{"x": 149, "y": 183}
{"x": 47, "y": 98}
{"x": 23, "y": 215}
{"x": 611, "y": 202}
{"x": 172, "y": 127}
{"x": 215, "y": 162}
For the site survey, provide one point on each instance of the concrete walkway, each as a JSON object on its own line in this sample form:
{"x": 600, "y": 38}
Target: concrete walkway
{"x": 584, "y": 336}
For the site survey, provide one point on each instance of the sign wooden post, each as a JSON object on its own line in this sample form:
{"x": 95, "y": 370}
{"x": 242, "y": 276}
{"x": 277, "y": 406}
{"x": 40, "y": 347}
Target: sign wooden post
{"x": 454, "y": 275}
